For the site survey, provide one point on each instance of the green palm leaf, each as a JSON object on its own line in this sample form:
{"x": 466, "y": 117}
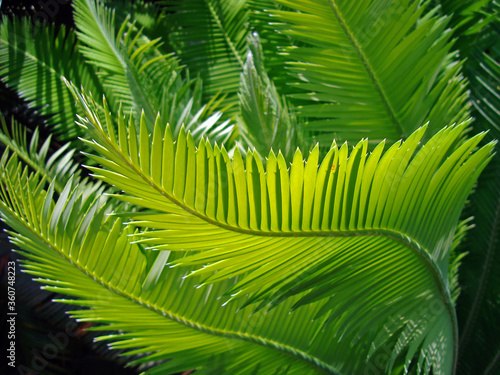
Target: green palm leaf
{"x": 266, "y": 119}
{"x": 217, "y": 258}
{"x": 381, "y": 68}
{"x": 103, "y": 47}
{"x": 468, "y": 20}
{"x": 56, "y": 169}
{"x": 33, "y": 61}
{"x": 323, "y": 238}
{"x": 139, "y": 77}
{"x": 148, "y": 17}
{"x": 263, "y": 24}
{"x": 210, "y": 37}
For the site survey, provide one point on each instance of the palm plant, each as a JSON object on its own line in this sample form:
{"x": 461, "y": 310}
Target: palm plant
{"x": 239, "y": 232}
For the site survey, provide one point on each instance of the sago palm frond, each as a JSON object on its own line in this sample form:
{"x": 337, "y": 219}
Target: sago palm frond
{"x": 56, "y": 168}
{"x": 468, "y": 19}
{"x": 343, "y": 261}
{"x": 33, "y": 61}
{"x": 210, "y": 37}
{"x": 316, "y": 241}
{"x": 377, "y": 68}
{"x": 264, "y": 25}
{"x": 111, "y": 52}
{"x": 138, "y": 76}
{"x": 39, "y": 319}
{"x": 148, "y": 17}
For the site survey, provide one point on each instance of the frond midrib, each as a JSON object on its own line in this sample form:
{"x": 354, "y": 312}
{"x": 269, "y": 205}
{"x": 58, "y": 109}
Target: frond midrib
{"x": 30, "y": 56}
{"x": 223, "y": 31}
{"x": 103, "y": 31}
{"x": 371, "y": 73}
{"x": 413, "y": 245}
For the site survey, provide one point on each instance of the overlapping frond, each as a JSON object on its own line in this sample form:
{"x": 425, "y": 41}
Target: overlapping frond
{"x": 33, "y": 61}
{"x": 468, "y": 20}
{"x": 86, "y": 260}
{"x": 263, "y": 24}
{"x": 139, "y": 77}
{"x": 148, "y": 17}
{"x": 320, "y": 236}
{"x": 93, "y": 260}
{"x": 119, "y": 64}
{"x": 377, "y": 68}
{"x": 210, "y": 37}
{"x": 224, "y": 256}
{"x": 56, "y": 169}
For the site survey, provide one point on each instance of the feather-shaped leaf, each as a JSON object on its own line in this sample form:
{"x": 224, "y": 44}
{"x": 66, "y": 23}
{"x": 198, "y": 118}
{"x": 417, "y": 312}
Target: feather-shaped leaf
{"x": 138, "y": 76}
{"x": 34, "y": 59}
{"x": 377, "y": 68}
{"x": 210, "y": 37}
{"x": 57, "y": 168}
{"x": 400, "y": 208}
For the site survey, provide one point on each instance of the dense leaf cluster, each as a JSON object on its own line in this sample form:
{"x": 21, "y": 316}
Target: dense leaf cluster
{"x": 233, "y": 229}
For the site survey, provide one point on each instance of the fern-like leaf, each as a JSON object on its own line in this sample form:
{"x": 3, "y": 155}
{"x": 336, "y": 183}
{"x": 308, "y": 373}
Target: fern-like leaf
{"x": 377, "y": 68}
{"x": 34, "y": 60}
{"x": 305, "y": 237}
